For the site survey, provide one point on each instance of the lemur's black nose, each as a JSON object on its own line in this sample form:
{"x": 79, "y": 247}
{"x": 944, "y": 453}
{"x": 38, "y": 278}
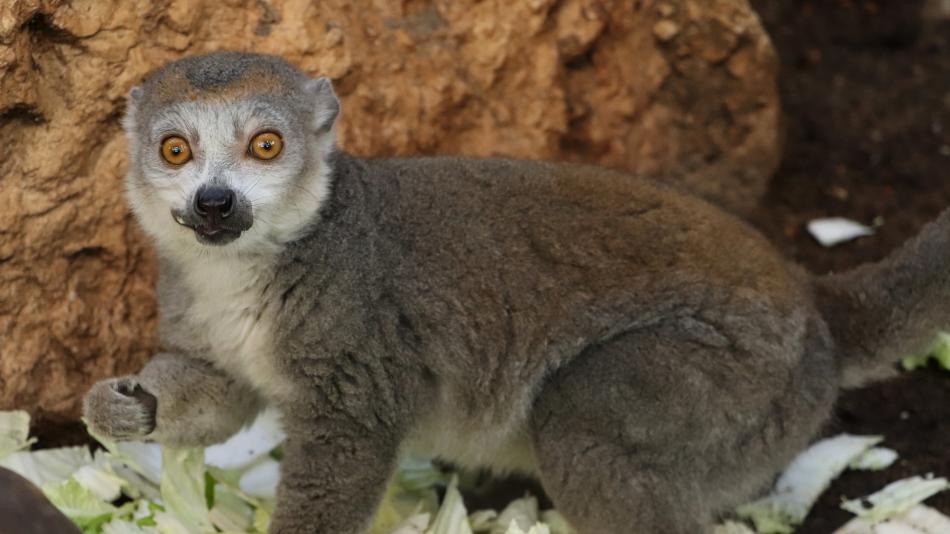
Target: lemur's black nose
{"x": 214, "y": 202}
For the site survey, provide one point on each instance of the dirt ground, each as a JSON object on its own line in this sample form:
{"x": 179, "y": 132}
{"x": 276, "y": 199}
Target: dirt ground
{"x": 866, "y": 91}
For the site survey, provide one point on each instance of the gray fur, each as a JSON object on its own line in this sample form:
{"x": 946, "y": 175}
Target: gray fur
{"x": 185, "y": 409}
{"x": 893, "y": 308}
{"x": 651, "y": 359}
{"x": 322, "y": 90}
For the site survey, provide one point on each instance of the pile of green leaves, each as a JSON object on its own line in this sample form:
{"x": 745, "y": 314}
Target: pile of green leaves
{"x": 142, "y": 488}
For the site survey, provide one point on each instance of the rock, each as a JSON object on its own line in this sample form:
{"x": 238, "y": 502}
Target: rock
{"x": 665, "y": 30}
{"x": 936, "y": 10}
{"x": 580, "y": 80}
{"x": 25, "y": 510}
{"x": 665, "y": 9}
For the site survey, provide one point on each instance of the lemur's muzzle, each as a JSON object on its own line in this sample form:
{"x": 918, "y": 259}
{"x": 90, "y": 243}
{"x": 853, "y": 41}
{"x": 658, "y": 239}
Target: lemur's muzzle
{"x": 218, "y": 215}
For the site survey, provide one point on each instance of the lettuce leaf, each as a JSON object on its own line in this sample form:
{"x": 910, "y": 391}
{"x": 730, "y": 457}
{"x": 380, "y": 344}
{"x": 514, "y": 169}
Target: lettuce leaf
{"x": 122, "y": 526}
{"x": 100, "y": 480}
{"x": 896, "y": 498}
{"x": 79, "y": 504}
{"x": 230, "y": 513}
{"x": 452, "y": 517}
{"x": 940, "y": 353}
{"x": 47, "y": 466}
{"x": 518, "y": 515}
{"x": 14, "y": 432}
{"x": 874, "y": 459}
{"x": 183, "y": 488}
{"x": 808, "y": 476}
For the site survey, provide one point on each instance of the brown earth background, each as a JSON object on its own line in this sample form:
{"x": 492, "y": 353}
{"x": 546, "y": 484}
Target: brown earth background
{"x": 684, "y": 90}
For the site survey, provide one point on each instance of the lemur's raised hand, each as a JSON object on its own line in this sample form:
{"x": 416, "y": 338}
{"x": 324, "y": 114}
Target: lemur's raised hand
{"x": 651, "y": 359}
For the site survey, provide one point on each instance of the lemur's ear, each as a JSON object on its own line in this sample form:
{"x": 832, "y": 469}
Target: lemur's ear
{"x": 327, "y": 105}
{"x": 135, "y": 96}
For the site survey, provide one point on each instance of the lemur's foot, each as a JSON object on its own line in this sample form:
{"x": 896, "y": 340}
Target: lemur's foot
{"x": 119, "y": 408}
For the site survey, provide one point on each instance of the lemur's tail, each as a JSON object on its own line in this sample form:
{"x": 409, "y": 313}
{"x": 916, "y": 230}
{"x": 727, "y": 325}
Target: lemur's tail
{"x": 881, "y": 312}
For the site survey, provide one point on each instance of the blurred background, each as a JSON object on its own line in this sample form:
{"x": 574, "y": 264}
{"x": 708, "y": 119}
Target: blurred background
{"x": 781, "y": 111}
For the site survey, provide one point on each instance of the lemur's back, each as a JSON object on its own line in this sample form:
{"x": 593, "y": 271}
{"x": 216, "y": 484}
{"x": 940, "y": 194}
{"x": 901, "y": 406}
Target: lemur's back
{"x": 573, "y": 220}
{"x": 512, "y": 267}
{"x": 555, "y": 236}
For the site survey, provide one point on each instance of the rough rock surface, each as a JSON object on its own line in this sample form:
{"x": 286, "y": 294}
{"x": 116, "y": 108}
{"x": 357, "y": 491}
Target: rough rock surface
{"x": 680, "y": 89}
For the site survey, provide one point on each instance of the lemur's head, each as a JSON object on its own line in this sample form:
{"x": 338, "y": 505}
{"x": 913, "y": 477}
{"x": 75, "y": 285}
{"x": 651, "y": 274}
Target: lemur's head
{"x": 229, "y": 149}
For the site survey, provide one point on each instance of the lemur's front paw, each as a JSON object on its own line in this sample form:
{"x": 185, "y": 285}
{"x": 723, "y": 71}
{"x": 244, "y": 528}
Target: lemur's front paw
{"x": 119, "y": 408}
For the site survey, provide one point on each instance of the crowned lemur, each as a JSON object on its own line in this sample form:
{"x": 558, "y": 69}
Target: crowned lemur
{"x": 651, "y": 359}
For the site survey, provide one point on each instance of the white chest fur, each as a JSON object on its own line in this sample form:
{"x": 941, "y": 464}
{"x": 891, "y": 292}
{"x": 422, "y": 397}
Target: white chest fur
{"x": 231, "y": 311}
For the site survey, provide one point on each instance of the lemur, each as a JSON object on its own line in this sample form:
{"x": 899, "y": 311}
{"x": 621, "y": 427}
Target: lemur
{"x": 649, "y": 358}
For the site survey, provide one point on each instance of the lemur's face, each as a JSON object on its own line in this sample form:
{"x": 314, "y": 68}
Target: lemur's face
{"x": 225, "y": 156}
{"x": 217, "y": 169}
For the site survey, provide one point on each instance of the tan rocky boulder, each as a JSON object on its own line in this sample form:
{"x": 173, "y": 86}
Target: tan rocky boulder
{"x": 684, "y": 90}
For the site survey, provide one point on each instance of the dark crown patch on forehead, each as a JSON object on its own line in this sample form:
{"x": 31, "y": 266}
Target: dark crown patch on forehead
{"x": 223, "y": 75}
{"x": 219, "y": 70}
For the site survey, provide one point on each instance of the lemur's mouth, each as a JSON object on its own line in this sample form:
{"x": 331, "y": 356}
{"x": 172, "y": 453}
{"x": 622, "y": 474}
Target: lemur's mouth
{"x": 215, "y": 235}
{"x": 208, "y": 232}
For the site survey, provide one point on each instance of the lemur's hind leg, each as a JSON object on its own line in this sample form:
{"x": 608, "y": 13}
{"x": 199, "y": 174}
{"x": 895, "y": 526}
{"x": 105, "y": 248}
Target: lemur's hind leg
{"x": 652, "y": 432}
{"x": 175, "y": 400}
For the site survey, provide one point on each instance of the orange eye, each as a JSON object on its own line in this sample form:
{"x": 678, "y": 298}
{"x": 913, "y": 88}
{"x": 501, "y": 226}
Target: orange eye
{"x": 266, "y": 145}
{"x": 175, "y": 150}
